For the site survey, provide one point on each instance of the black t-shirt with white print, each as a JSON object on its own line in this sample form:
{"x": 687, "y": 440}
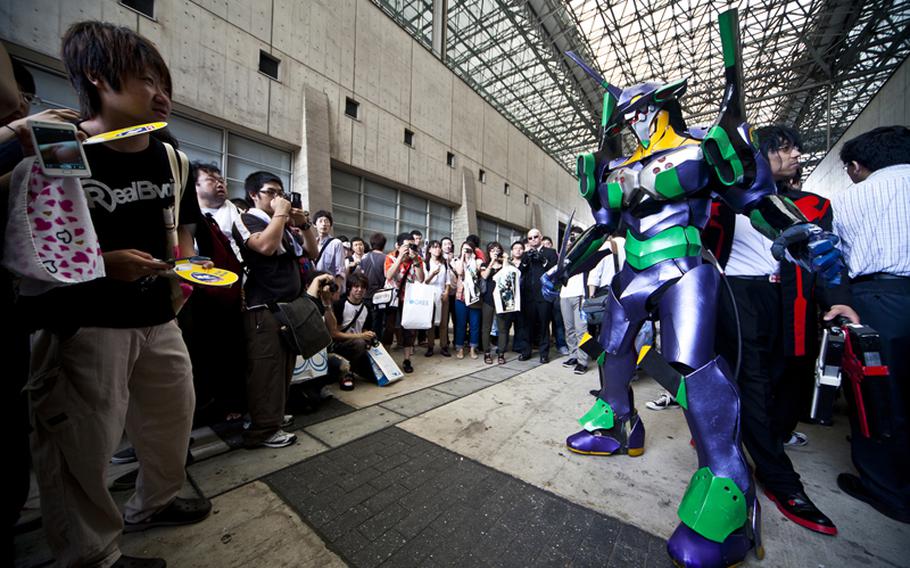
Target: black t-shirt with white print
{"x": 127, "y": 196}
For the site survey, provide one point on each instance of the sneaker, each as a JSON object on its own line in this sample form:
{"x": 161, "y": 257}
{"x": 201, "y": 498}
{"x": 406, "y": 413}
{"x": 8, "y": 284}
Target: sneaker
{"x": 563, "y": 350}
{"x": 280, "y": 439}
{"x": 797, "y": 439}
{"x": 571, "y": 362}
{"x": 580, "y": 369}
{"x": 287, "y": 421}
{"x": 126, "y": 455}
{"x": 407, "y": 367}
{"x": 662, "y": 402}
{"x": 180, "y": 512}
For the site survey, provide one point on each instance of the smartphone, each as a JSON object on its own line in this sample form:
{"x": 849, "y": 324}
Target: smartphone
{"x": 59, "y": 150}
{"x": 296, "y": 201}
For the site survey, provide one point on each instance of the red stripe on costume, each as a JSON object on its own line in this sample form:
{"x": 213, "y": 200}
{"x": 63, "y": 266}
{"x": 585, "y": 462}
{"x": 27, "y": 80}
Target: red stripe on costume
{"x": 799, "y": 322}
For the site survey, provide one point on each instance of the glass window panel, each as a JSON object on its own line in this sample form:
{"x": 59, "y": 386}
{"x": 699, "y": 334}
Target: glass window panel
{"x": 192, "y": 132}
{"x": 345, "y": 180}
{"x": 346, "y": 198}
{"x": 412, "y": 219}
{"x": 440, "y": 209}
{"x": 265, "y": 156}
{"x": 53, "y": 90}
{"x": 379, "y": 206}
{"x": 373, "y": 224}
{"x": 349, "y": 231}
{"x": 346, "y": 216}
{"x": 238, "y": 169}
{"x": 413, "y": 202}
{"x": 378, "y": 190}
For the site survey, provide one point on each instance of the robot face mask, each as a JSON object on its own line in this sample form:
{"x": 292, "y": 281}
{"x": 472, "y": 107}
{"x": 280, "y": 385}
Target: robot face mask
{"x": 644, "y": 108}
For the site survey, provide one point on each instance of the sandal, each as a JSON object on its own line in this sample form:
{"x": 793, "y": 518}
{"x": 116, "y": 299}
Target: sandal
{"x": 487, "y": 358}
{"x": 473, "y": 353}
{"x": 347, "y": 382}
{"x": 501, "y": 359}
{"x": 459, "y": 353}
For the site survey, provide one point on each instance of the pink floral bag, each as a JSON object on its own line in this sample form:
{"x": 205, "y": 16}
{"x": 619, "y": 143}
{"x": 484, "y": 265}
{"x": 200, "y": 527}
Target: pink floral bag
{"x": 50, "y": 240}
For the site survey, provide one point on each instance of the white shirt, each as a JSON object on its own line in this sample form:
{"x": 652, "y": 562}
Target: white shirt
{"x": 750, "y": 254}
{"x": 349, "y": 311}
{"x": 872, "y": 219}
{"x": 226, "y": 216}
{"x": 603, "y": 273}
{"x": 446, "y": 276}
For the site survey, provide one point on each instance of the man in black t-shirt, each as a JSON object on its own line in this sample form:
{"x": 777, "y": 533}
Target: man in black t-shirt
{"x": 108, "y": 354}
{"x": 270, "y": 251}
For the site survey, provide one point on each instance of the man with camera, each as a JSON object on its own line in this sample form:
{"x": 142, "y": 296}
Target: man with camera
{"x": 271, "y": 251}
{"x": 537, "y": 310}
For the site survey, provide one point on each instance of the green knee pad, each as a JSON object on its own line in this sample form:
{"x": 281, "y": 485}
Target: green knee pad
{"x": 600, "y": 417}
{"x": 713, "y": 506}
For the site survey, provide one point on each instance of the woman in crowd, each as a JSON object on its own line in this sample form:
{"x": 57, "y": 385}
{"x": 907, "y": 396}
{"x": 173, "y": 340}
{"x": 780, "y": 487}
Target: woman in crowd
{"x": 439, "y": 274}
{"x": 448, "y": 252}
{"x": 467, "y": 300}
{"x": 488, "y": 310}
{"x": 513, "y": 319}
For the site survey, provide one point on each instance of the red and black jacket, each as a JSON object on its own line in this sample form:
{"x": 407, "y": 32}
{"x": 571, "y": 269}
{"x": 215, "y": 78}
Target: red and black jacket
{"x": 801, "y": 293}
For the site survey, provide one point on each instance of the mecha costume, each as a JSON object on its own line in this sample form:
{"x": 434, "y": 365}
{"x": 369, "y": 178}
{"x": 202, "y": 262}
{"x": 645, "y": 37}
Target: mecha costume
{"x": 661, "y": 195}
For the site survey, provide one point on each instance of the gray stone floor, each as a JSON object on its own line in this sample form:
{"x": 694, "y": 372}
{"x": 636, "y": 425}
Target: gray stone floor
{"x": 464, "y": 464}
{"x": 394, "y": 499}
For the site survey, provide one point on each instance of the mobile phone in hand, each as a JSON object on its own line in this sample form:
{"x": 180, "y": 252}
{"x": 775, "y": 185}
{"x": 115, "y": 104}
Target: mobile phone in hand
{"x": 59, "y": 149}
{"x": 296, "y": 200}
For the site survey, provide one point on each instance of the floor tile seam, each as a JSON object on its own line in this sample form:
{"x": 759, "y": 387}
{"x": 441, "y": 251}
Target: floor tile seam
{"x": 433, "y": 387}
{"x": 512, "y": 477}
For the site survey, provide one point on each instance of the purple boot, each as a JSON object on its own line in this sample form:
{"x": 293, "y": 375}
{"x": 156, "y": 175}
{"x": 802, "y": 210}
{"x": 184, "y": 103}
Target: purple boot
{"x": 604, "y": 436}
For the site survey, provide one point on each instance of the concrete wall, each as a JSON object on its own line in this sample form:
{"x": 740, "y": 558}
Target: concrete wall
{"x": 888, "y": 107}
{"x": 329, "y": 50}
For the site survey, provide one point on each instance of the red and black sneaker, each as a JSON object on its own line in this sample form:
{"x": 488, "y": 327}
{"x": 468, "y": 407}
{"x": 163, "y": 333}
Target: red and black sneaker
{"x": 801, "y": 510}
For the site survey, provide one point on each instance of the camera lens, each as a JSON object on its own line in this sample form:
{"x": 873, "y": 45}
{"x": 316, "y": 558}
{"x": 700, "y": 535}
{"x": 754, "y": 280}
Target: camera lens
{"x": 333, "y": 287}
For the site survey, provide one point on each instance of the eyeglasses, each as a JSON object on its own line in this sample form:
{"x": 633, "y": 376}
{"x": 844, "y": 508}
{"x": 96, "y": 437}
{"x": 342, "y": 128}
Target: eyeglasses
{"x": 534, "y": 237}
{"x": 31, "y": 99}
{"x": 272, "y": 192}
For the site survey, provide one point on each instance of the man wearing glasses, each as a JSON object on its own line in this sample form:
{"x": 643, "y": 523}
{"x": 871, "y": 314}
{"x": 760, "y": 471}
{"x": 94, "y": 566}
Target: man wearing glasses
{"x": 271, "y": 251}
{"x": 538, "y": 311}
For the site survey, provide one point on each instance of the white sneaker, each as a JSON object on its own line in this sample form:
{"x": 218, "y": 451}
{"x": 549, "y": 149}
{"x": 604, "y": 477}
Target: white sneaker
{"x": 280, "y": 439}
{"x": 797, "y": 439}
{"x": 662, "y": 402}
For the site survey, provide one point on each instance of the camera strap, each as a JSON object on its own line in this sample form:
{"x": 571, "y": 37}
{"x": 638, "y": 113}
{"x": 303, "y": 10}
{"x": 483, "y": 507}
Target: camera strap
{"x": 322, "y": 250}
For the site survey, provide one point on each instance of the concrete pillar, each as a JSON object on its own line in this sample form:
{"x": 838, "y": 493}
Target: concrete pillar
{"x": 464, "y": 218}
{"x": 440, "y": 29}
{"x": 312, "y": 166}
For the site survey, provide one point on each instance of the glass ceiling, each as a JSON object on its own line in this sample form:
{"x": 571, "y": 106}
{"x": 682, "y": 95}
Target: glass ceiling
{"x": 811, "y": 64}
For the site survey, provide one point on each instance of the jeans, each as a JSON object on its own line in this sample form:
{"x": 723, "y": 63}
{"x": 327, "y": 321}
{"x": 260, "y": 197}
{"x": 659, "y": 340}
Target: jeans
{"x": 463, "y": 314}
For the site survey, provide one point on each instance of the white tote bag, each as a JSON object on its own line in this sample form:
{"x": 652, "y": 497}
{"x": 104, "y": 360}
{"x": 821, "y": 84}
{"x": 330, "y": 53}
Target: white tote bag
{"x": 312, "y": 368}
{"x": 50, "y": 240}
{"x": 417, "y": 311}
{"x": 507, "y": 292}
{"x": 384, "y": 367}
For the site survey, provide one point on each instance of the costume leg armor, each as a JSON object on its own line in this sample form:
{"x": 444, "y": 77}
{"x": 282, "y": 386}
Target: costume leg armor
{"x": 613, "y": 426}
{"x": 715, "y": 528}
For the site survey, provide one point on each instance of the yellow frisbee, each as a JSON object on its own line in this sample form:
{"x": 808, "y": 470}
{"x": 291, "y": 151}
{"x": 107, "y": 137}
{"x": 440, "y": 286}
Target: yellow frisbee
{"x": 125, "y": 133}
{"x": 205, "y": 276}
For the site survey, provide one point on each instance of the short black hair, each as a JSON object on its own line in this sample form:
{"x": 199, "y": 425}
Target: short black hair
{"x": 518, "y": 242}
{"x": 377, "y": 241}
{"x": 323, "y": 213}
{"x": 358, "y": 279}
{"x": 204, "y": 167}
{"x": 416, "y": 233}
{"x": 401, "y": 238}
{"x": 254, "y": 182}
{"x": 771, "y": 138}
{"x": 241, "y": 203}
{"x": 23, "y": 76}
{"x": 879, "y": 148}
{"x": 99, "y": 50}
{"x": 355, "y": 239}
{"x": 474, "y": 240}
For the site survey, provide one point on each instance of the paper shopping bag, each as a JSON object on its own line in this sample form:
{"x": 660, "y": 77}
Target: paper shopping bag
{"x": 384, "y": 367}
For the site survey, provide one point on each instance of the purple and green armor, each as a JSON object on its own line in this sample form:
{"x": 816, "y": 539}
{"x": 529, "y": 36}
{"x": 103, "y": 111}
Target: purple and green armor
{"x": 661, "y": 195}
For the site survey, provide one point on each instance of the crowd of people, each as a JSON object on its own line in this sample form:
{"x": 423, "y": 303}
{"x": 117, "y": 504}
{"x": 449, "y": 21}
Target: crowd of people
{"x": 119, "y": 354}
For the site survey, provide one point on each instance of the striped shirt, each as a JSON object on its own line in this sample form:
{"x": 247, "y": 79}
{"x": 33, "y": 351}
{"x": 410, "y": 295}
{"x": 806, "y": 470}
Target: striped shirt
{"x": 872, "y": 219}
